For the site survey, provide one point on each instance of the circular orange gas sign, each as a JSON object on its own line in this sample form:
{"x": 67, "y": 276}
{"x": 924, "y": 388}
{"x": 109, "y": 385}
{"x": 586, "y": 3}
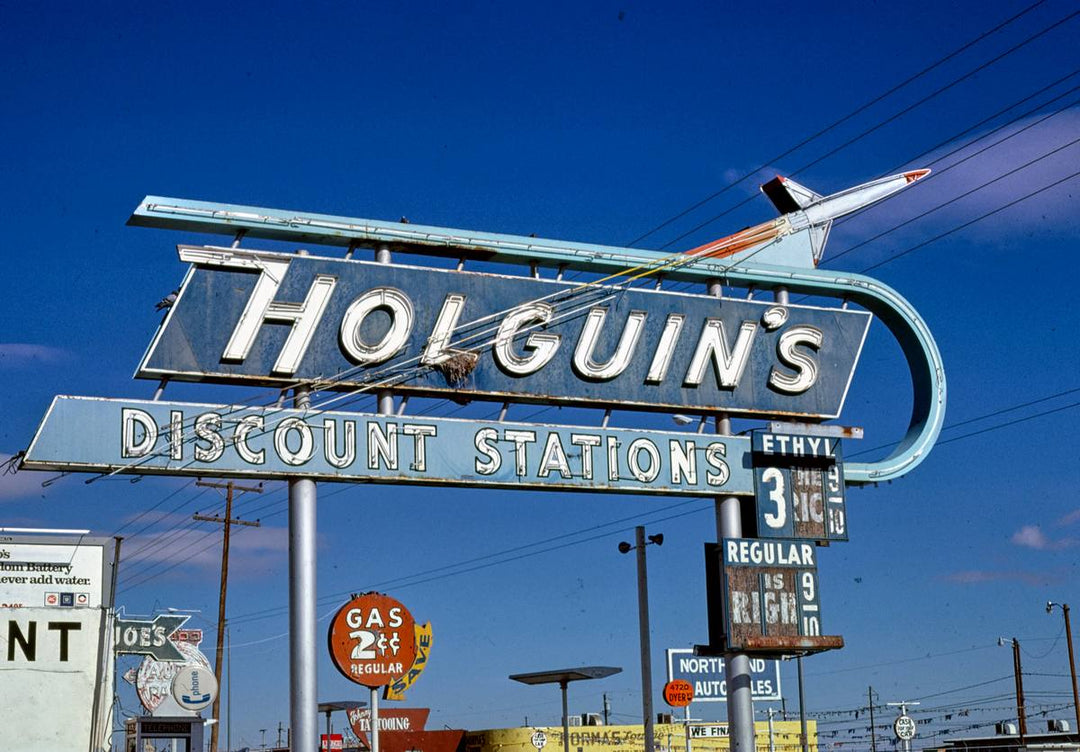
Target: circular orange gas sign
{"x": 678, "y": 693}
{"x": 372, "y": 639}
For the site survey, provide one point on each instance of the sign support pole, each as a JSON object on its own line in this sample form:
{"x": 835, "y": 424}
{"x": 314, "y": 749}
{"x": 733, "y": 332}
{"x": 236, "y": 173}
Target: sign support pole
{"x": 646, "y": 650}
{"x": 373, "y": 735}
{"x": 565, "y": 719}
{"x": 385, "y": 406}
{"x": 303, "y": 702}
{"x": 736, "y": 665}
{"x": 686, "y": 726}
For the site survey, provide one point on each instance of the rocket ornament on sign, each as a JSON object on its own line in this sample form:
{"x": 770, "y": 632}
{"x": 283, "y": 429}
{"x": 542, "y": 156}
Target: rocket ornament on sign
{"x": 372, "y": 640}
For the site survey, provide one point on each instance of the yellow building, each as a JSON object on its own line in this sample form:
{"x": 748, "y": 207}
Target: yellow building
{"x": 670, "y": 737}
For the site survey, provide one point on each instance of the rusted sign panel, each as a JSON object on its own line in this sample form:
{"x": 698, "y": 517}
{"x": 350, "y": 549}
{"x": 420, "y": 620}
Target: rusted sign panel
{"x": 271, "y": 318}
{"x": 761, "y": 588}
{"x": 799, "y": 487}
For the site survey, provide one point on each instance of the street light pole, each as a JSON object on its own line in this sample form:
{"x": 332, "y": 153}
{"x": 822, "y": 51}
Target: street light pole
{"x": 1072, "y": 659}
{"x": 643, "y": 629}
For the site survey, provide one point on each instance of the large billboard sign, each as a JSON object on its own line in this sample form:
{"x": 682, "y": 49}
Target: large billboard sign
{"x": 172, "y": 438}
{"x": 705, "y": 673}
{"x": 246, "y": 316}
{"x": 56, "y": 607}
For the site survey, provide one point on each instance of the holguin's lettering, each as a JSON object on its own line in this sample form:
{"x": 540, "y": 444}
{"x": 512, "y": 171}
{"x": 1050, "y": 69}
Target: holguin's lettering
{"x": 520, "y": 344}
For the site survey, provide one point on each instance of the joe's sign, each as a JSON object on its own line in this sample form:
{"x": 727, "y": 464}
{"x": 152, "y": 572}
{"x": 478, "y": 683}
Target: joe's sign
{"x": 246, "y": 316}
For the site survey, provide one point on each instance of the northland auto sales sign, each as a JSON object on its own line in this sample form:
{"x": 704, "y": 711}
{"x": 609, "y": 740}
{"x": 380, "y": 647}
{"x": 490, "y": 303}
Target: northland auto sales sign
{"x": 247, "y": 316}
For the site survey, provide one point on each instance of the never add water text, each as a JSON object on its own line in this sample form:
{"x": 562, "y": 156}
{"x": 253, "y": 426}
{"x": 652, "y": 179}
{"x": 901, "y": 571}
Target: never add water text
{"x": 38, "y": 573}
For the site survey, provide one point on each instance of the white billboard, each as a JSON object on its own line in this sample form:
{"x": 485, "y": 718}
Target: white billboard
{"x": 56, "y": 657}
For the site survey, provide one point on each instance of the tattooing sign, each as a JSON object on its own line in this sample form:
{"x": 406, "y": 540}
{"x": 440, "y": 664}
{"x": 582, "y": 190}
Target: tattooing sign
{"x": 258, "y": 317}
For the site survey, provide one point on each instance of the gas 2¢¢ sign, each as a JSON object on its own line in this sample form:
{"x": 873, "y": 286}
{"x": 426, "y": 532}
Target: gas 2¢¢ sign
{"x": 372, "y": 640}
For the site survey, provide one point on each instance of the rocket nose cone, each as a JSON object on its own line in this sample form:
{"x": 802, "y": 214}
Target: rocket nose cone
{"x": 914, "y": 175}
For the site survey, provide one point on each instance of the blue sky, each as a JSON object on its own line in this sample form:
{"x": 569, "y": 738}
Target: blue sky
{"x": 593, "y": 122}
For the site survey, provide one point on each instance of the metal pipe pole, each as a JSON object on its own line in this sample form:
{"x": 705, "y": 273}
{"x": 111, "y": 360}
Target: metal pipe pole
{"x": 374, "y": 715}
{"x": 736, "y": 665}
{"x": 643, "y": 630}
{"x": 384, "y": 406}
{"x": 565, "y": 719}
{"x": 303, "y": 703}
{"x": 686, "y": 710}
{"x": 803, "y": 741}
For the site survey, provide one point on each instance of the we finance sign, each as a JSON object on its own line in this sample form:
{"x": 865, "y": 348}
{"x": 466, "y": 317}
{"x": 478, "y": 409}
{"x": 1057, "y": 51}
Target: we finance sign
{"x": 245, "y": 316}
{"x": 706, "y": 674}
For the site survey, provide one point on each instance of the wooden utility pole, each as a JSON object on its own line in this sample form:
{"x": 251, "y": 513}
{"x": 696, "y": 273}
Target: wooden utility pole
{"x": 227, "y": 521}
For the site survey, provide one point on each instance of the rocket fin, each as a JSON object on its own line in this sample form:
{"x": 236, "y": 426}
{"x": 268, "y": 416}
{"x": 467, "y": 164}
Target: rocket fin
{"x": 787, "y": 195}
{"x": 819, "y": 235}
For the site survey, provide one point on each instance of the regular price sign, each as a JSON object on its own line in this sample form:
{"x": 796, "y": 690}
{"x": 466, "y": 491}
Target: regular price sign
{"x": 763, "y": 594}
{"x": 372, "y": 640}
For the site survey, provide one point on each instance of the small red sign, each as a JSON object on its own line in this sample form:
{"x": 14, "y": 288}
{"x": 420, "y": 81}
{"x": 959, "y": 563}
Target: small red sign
{"x": 678, "y": 693}
{"x": 372, "y": 640}
{"x": 335, "y": 742}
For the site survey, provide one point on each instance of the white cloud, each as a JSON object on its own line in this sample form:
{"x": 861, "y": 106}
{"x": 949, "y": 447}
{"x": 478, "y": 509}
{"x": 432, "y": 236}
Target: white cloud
{"x": 19, "y": 354}
{"x": 179, "y": 552}
{"x": 1032, "y": 536}
{"x": 979, "y": 576}
{"x": 1069, "y": 519}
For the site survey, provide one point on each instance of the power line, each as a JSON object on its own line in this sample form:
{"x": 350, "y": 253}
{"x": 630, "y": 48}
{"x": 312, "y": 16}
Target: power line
{"x": 836, "y": 123}
{"x": 888, "y": 120}
{"x": 967, "y": 224}
{"x": 965, "y": 194}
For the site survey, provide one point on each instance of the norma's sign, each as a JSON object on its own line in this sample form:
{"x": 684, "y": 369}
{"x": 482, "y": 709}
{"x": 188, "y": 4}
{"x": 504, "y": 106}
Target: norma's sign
{"x": 246, "y": 316}
{"x": 763, "y": 595}
{"x": 799, "y": 487}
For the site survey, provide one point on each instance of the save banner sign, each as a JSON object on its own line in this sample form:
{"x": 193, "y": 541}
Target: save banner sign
{"x": 245, "y": 316}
